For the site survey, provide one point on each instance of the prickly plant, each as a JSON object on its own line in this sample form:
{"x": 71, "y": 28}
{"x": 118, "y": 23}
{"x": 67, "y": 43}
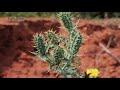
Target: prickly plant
{"x": 60, "y": 58}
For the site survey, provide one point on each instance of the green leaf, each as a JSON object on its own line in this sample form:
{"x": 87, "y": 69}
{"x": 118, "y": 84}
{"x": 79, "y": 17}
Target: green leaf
{"x": 58, "y": 55}
{"x": 52, "y": 37}
{"x": 77, "y": 41}
{"x": 67, "y": 22}
{"x": 40, "y": 46}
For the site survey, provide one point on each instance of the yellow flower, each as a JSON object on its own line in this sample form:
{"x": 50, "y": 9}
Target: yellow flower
{"x": 93, "y": 73}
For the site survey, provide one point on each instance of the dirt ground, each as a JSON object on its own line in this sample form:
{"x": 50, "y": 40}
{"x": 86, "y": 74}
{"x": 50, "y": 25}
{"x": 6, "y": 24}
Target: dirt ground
{"x": 16, "y": 61}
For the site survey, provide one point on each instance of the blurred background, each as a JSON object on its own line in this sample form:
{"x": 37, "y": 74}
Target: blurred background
{"x": 96, "y": 27}
{"x": 84, "y": 15}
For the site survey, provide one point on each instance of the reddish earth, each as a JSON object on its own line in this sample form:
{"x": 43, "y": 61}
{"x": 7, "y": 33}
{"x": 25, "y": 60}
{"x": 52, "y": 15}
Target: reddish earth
{"x": 16, "y": 61}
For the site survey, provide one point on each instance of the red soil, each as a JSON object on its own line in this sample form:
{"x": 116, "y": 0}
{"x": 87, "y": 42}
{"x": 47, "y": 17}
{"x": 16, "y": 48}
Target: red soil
{"x": 16, "y": 61}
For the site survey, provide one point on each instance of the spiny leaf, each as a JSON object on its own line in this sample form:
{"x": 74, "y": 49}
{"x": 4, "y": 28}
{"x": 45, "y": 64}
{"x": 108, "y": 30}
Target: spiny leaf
{"x": 65, "y": 17}
{"x": 58, "y": 55}
{"x": 52, "y": 37}
{"x": 76, "y": 43}
{"x": 39, "y": 44}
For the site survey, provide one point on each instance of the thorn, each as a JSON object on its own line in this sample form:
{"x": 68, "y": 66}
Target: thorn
{"x": 78, "y": 22}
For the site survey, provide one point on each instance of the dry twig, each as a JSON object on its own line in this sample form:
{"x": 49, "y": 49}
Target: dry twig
{"x": 109, "y": 53}
{"x": 98, "y": 56}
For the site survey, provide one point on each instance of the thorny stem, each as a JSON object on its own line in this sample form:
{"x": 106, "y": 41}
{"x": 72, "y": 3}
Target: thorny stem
{"x": 63, "y": 68}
